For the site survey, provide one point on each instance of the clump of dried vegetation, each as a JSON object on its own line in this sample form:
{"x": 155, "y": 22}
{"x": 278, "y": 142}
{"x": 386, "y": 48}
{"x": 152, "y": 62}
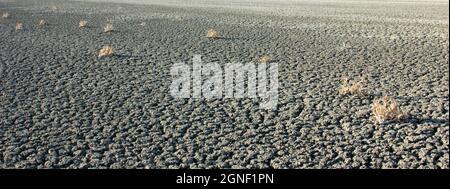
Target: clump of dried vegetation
{"x": 352, "y": 87}
{"x": 265, "y": 59}
{"x": 42, "y": 23}
{"x": 19, "y": 26}
{"x": 108, "y": 28}
{"x": 5, "y": 15}
{"x": 387, "y": 109}
{"x": 82, "y": 24}
{"x": 105, "y": 51}
{"x": 212, "y": 34}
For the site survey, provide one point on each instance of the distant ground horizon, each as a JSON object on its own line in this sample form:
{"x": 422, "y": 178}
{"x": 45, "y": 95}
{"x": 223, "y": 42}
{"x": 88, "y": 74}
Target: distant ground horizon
{"x": 265, "y": 3}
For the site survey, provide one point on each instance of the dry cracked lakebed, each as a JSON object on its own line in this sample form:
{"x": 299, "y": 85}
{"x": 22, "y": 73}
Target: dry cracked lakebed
{"x": 61, "y": 106}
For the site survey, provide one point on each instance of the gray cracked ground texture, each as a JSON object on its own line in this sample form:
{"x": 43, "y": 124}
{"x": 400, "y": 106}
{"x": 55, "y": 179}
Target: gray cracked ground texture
{"x": 63, "y": 107}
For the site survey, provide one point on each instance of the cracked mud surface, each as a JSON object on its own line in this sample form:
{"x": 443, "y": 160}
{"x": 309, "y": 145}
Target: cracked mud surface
{"x": 63, "y": 107}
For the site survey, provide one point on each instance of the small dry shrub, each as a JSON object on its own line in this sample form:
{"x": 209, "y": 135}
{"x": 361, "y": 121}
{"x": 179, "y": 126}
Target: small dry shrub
{"x": 82, "y": 24}
{"x": 355, "y": 87}
{"x": 387, "y": 109}
{"x": 212, "y": 34}
{"x": 265, "y": 59}
{"x": 5, "y": 15}
{"x": 108, "y": 28}
{"x": 106, "y": 51}
{"x": 19, "y": 26}
{"x": 42, "y": 23}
